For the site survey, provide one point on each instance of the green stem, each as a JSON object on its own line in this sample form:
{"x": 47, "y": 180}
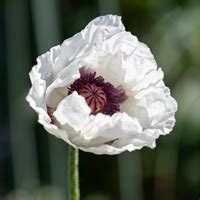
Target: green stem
{"x": 74, "y": 193}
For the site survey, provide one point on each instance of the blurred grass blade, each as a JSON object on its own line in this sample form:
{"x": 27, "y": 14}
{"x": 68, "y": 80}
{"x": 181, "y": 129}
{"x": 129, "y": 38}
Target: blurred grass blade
{"x": 109, "y": 7}
{"x": 47, "y": 30}
{"x": 130, "y": 176}
{"x": 46, "y": 24}
{"x": 23, "y": 147}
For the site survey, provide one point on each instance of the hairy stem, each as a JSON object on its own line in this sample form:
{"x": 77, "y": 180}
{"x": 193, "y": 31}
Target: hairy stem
{"x": 74, "y": 192}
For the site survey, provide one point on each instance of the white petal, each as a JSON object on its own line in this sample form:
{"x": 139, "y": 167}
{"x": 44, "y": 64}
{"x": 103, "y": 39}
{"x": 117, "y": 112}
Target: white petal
{"x": 44, "y": 119}
{"x": 103, "y": 149}
{"x": 127, "y": 59}
{"x": 155, "y": 108}
{"x": 102, "y": 129}
{"x": 73, "y": 110}
{"x": 89, "y": 38}
{"x": 45, "y": 64}
{"x": 58, "y": 89}
{"x": 102, "y": 28}
{"x": 41, "y": 76}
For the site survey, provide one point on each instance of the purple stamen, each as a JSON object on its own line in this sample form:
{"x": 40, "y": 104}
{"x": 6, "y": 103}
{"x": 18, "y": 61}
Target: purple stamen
{"x": 100, "y": 96}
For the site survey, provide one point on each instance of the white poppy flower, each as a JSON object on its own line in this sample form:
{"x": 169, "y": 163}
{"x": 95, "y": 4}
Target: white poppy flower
{"x": 101, "y": 91}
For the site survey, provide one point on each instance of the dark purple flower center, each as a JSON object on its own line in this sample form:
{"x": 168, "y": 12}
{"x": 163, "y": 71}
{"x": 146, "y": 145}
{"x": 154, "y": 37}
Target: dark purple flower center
{"x": 100, "y": 96}
{"x": 94, "y": 96}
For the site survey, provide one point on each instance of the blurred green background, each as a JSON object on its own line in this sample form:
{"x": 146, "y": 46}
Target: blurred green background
{"x": 33, "y": 164}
